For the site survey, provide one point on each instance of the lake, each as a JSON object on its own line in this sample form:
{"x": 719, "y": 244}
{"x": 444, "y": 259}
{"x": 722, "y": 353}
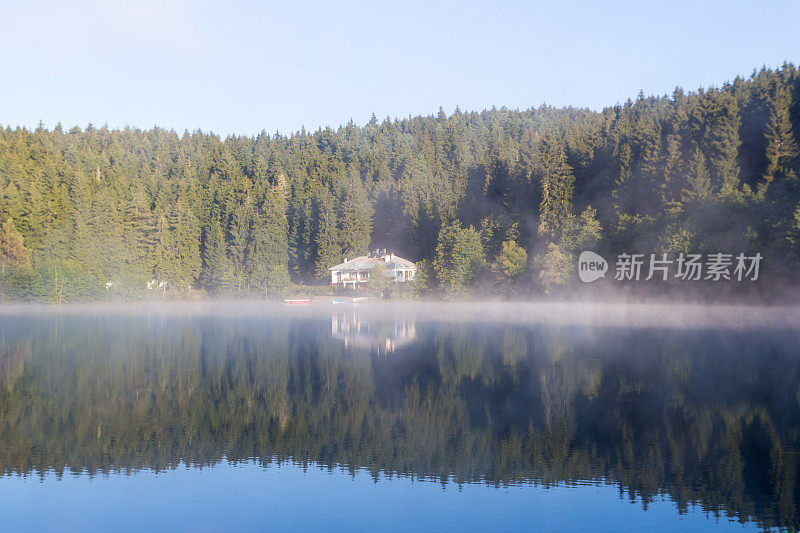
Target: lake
{"x": 242, "y": 415}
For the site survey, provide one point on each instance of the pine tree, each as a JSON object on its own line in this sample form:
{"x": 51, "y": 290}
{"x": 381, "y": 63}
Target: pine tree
{"x": 643, "y": 193}
{"x": 139, "y": 232}
{"x": 557, "y": 188}
{"x": 186, "y": 261}
{"x": 12, "y": 248}
{"x": 269, "y": 256}
{"x": 82, "y": 239}
{"x": 326, "y": 236}
{"x": 355, "y": 218}
{"x": 698, "y": 180}
{"x": 672, "y": 168}
{"x": 215, "y": 258}
{"x": 163, "y": 250}
{"x": 240, "y": 242}
{"x": 781, "y": 151}
{"x": 723, "y": 141}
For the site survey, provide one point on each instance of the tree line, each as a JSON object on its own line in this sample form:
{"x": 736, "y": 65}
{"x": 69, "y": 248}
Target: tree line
{"x": 499, "y": 200}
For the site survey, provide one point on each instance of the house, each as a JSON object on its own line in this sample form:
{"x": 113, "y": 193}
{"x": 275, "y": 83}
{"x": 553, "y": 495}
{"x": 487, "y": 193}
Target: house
{"x": 359, "y": 270}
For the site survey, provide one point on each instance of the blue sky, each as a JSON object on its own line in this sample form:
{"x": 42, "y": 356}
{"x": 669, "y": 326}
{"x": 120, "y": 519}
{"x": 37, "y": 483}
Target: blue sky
{"x": 242, "y": 67}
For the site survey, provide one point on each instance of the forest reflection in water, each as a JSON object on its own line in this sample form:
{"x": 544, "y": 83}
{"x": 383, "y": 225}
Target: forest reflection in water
{"x": 707, "y": 416}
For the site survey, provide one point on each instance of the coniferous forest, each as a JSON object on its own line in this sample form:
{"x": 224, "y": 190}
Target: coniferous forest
{"x": 498, "y": 201}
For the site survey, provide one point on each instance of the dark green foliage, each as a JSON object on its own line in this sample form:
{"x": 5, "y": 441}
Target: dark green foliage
{"x": 698, "y": 180}
{"x": 215, "y": 259}
{"x": 557, "y": 189}
{"x": 459, "y": 260}
{"x": 12, "y": 249}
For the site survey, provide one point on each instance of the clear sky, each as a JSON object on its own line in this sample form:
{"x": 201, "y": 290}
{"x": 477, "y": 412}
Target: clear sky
{"x": 241, "y": 67}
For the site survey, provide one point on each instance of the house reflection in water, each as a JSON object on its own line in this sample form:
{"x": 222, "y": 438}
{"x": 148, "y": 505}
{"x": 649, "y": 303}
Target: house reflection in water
{"x": 360, "y": 329}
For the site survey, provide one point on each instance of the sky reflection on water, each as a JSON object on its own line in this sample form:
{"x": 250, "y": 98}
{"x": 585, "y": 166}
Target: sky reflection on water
{"x": 288, "y": 497}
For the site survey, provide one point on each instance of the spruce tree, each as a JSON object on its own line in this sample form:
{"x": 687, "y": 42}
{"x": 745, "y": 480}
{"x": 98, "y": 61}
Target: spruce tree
{"x": 355, "y": 218}
{"x": 781, "y": 148}
{"x": 698, "y": 180}
{"x": 723, "y": 141}
{"x": 215, "y": 258}
{"x": 12, "y": 249}
{"x": 557, "y": 184}
{"x": 326, "y": 236}
{"x": 269, "y": 257}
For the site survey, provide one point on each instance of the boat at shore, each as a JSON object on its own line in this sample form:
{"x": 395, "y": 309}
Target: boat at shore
{"x": 297, "y": 301}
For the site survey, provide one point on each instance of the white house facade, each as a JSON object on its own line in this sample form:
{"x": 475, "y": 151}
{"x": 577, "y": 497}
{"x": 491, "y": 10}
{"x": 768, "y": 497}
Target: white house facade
{"x": 357, "y": 271}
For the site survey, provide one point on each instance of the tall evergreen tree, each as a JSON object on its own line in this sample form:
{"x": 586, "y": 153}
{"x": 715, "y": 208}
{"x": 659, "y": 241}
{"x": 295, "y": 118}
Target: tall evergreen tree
{"x": 216, "y": 266}
{"x": 698, "y": 180}
{"x": 12, "y": 248}
{"x": 781, "y": 151}
{"x": 557, "y": 187}
{"x": 721, "y": 136}
{"x": 269, "y": 257}
{"x": 326, "y": 237}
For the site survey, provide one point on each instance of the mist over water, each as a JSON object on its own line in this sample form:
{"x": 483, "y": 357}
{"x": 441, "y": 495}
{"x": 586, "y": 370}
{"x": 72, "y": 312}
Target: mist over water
{"x": 626, "y": 314}
{"x": 695, "y": 405}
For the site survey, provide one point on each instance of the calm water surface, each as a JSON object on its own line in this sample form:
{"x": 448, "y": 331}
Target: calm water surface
{"x": 243, "y": 416}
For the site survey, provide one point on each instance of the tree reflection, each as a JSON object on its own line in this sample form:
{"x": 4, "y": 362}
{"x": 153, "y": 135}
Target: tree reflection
{"x": 706, "y": 417}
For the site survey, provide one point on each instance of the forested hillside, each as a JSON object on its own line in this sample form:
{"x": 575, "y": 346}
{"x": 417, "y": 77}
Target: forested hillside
{"x": 498, "y": 201}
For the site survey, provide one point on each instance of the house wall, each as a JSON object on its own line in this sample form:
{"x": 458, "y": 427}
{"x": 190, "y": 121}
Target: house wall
{"x": 399, "y": 275}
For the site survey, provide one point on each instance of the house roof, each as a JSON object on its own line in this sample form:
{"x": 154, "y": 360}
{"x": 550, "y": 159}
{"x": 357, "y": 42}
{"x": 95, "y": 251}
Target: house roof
{"x": 368, "y": 262}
